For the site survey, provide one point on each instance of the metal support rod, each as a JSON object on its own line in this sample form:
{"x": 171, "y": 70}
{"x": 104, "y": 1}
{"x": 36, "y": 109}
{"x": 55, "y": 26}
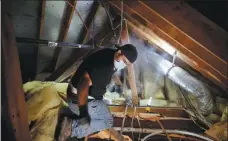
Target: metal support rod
{"x": 51, "y": 43}
{"x": 31, "y": 41}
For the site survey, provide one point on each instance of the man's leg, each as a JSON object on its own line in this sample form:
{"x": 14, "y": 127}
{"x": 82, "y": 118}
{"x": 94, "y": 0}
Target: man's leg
{"x": 100, "y": 116}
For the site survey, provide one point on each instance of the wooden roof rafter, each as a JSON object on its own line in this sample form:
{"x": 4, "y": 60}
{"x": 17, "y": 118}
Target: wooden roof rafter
{"x": 208, "y": 60}
{"x": 66, "y": 21}
{"x": 70, "y": 66}
{"x": 83, "y": 37}
{"x": 43, "y": 6}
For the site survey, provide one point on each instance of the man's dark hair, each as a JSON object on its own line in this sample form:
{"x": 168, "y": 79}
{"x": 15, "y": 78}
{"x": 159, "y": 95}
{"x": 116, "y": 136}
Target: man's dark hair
{"x": 129, "y": 51}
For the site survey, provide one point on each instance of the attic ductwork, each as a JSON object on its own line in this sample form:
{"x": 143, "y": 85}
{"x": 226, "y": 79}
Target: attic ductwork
{"x": 203, "y": 99}
{"x": 195, "y": 87}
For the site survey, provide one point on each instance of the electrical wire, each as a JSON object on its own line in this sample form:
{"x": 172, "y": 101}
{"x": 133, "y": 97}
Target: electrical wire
{"x": 132, "y": 122}
{"x": 110, "y": 18}
{"x": 177, "y": 132}
{"x": 195, "y": 112}
{"x": 160, "y": 122}
{"x": 121, "y": 21}
{"x": 125, "y": 113}
{"x": 126, "y": 25}
{"x": 164, "y": 130}
{"x": 157, "y": 119}
{"x": 78, "y": 14}
{"x": 111, "y": 23}
{"x": 139, "y": 137}
{"x": 107, "y": 12}
{"x": 197, "y": 124}
{"x": 102, "y": 39}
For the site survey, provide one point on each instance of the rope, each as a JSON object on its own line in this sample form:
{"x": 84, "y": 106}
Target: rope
{"x": 110, "y": 19}
{"x": 163, "y": 129}
{"x": 139, "y": 137}
{"x": 132, "y": 122}
{"x": 78, "y": 14}
{"x": 157, "y": 119}
{"x": 121, "y": 21}
{"x": 125, "y": 113}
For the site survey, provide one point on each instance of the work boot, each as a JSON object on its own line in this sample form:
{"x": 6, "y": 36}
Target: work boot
{"x": 66, "y": 128}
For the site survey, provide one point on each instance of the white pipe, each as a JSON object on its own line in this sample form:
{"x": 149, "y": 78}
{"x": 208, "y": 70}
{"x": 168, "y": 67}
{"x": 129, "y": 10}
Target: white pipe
{"x": 159, "y": 131}
{"x": 177, "y": 132}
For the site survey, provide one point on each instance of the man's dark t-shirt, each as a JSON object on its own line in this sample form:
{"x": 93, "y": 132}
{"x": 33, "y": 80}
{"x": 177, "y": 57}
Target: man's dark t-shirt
{"x": 100, "y": 67}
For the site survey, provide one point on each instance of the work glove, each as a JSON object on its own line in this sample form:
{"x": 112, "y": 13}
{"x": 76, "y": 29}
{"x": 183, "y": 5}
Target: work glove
{"x": 84, "y": 119}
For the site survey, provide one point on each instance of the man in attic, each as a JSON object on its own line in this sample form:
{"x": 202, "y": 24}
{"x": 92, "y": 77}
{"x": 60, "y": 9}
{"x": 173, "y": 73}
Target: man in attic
{"x": 87, "y": 87}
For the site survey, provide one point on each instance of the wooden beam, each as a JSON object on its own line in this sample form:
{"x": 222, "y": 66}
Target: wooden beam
{"x": 187, "y": 125}
{"x": 105, "y": 34}
{"x": 66, "y": 20}
{"x": 43, "y": 5}
{"x": 196, "y": 53}
{"x": 210, "y": 83}
{"x": 84, "y": 34}
{"x": 73, "y": 58}
{"x": 132, "y": 83}
{"x": 124, "y": 36}
{"x": 209, "y": 38}
{"x": 14, "y": 108}
{"x": 146, "y": 37}
{"x": 164, "y": 111}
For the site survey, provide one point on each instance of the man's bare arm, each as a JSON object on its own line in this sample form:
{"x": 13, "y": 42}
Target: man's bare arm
{"x": 83, "y": 89}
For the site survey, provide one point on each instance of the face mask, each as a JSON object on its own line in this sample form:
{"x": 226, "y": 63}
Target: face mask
{"x": 119, "y": 65}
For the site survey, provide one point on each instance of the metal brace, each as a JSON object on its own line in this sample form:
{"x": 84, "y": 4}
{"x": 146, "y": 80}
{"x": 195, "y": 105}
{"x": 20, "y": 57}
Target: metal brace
{"x": 52, "y": 44}
{"x": 173, "y": 63}
{"x": 174, "y": 57}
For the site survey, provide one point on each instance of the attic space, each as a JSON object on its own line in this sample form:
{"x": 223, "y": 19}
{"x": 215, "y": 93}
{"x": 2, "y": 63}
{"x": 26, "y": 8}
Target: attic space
{"x": 60, "y": 57}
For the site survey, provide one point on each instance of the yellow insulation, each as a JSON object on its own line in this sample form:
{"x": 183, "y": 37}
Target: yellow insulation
{"x": 44, "y": 102}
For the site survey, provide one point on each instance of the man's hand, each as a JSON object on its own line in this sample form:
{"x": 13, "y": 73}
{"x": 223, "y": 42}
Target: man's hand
{"x": 115, "y": 135}
{"x": 85, "y": 121}
{"x": 83, "y": 116}
{"x": 126, "y": 138}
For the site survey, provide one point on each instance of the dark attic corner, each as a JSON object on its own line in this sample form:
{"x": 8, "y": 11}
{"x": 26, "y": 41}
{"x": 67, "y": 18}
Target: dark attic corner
{"x": 117, "y": 70}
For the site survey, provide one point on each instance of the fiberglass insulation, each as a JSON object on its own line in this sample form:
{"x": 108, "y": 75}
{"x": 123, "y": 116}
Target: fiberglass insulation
{"x": 44, "y": 102}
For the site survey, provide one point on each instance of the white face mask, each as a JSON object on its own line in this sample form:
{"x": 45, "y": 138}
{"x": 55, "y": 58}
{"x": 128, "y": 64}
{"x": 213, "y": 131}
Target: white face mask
{"x": 119, "y": 65}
